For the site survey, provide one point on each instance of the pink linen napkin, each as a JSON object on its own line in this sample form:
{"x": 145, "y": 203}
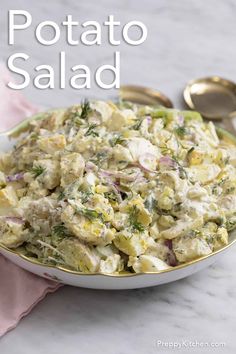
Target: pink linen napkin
{"x": 20, "y": 290}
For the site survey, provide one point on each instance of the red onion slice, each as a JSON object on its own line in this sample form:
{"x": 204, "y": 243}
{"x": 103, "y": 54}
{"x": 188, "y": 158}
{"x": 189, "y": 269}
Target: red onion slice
{"x": 15, "y": 220}
{"x": 170, "y": 258}
{"x": 116, "y": 192}
{"x": 16, "y": 177}
{"x": 168, "y": 162}
{"x": 146, "y": 160}
{"x": 90, "y": 166}
{"x": 168, "y": 243}
{"x": 149, "y": 120}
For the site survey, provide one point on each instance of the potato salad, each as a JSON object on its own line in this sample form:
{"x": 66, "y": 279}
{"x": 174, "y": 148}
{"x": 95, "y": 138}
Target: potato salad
{"x": 109, "y": 188}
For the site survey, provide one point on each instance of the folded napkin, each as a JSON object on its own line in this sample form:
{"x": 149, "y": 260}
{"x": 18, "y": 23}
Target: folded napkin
{"x": 20, "y": 290}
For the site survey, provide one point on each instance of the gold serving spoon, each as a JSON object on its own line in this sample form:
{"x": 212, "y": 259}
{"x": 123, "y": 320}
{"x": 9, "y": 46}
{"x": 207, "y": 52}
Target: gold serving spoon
{"x": 215, "y": 98}
{"x": 144, "y": 95}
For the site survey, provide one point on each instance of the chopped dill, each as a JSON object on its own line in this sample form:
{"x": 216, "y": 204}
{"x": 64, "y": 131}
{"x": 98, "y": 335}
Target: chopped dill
{"x": 181, "y": 169}
{"x": 150, "y": 203}
{"x": 91, "y": 214}
{"x": 133, "y": 219}
{"x": 181, "y": 131}
{"x": 137, "y": 125}
{"x": 85, "y": 109}
{"x": 99, "y": 158}
{"x": 37, "y": 170}
{"x": 91, "y": 131}
{"x": 85, "y": 196}
{"x": 117, "y": 139}
{"x": 60, "y": 230}
{"x": 111, "y": 196}
{"x": 62, "y": 195}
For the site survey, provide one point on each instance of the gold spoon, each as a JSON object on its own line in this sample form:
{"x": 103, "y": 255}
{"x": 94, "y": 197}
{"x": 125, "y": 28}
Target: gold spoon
{"x": 214, "y": 97}
{"x": 144, "y": 95}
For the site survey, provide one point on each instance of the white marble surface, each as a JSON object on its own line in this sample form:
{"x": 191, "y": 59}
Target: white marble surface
{"x": 187, "y": 39}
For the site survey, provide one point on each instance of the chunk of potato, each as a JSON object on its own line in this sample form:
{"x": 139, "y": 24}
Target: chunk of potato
{"x": 50, "y": 178}
{"x": 72, "y": 168}
{"x": 195, "y": 157}
{"x": 41, "y": 213}
{"x": 121, "y": 153}
{"x": 147, "y": 263}
{"x": 91, "y": 231}
{"x": 54, "y": 121}
{"x": 102, "y": 206}
{"x": 6, "y": 162}
{"x": 221, "y": 238}
{"x": 79, "y": 256}
{"x": 11, "y": 233}
{"x": 119, "y": 119}
{"x": 51, "y": 144}
{"x": 166, "y": 199}
{"x": 204, "y": 173}
{"x": 104, "y": 108}
{"x": 132, "y": 244}
{"x": 182, "y": 227}
{"x": 111, "y": 265}
{"x": 2, "y": 180}
{"x": 143, "y": 215}
{"x": 8, "y": 197}
{"x": 187, "y": 249}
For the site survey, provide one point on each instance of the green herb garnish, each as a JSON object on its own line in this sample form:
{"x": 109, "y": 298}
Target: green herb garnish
{"x": 133, "y": 219}
{"x": 160, "y": 211}
{"x": 137, "y": 125}
{"x": 150, "y": 203}
{"x": 116, "y": 140}
{"x": 62, "y": 195}
{"x": 99, "y": 158}
{"x": 181, "y": 131}
{"x": 91, "y": 131}
{"x": 85, "y": 109}
{"x": 91, "y": 214}
{"x": 37, "y": 170}
{"x": 111, "y": 196}
{"x": 85, "y": 196}
{"x": 181, "y": 169}
{"x": 60, "y": 230}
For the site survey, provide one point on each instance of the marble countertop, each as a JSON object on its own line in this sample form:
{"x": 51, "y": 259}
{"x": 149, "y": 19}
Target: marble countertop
{"x": 186, "y": 39}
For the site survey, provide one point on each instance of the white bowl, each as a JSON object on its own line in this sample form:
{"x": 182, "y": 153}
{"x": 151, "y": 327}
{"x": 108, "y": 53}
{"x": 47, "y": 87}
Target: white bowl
{"x": 106, "y": 281}
{"x": 112, "y": 282}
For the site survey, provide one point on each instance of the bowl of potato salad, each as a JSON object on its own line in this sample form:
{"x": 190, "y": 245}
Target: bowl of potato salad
{"x": 116, "y": 196}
